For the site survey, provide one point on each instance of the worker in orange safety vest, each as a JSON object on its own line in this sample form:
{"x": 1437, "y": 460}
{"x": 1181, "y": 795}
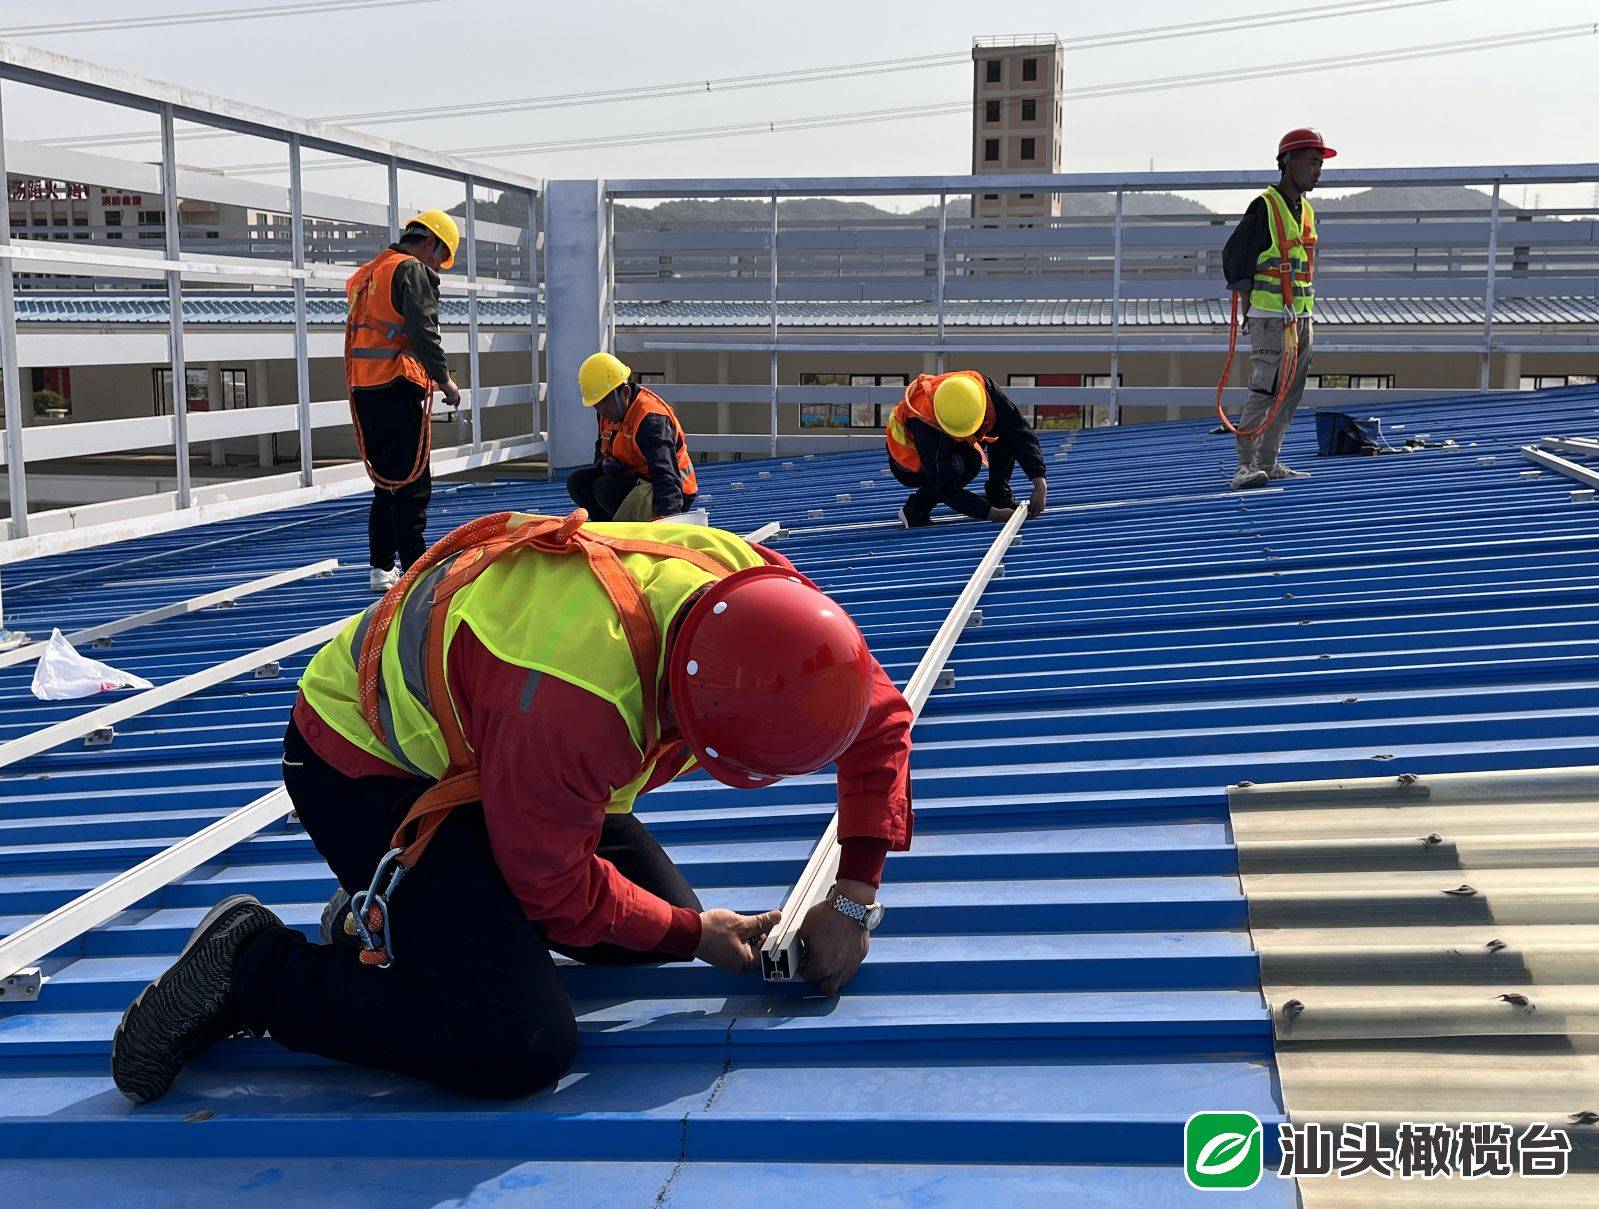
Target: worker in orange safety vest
{"x": 641, "y": 467}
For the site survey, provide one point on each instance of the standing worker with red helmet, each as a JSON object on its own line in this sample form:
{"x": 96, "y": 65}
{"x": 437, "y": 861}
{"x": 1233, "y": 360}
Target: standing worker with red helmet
{"x": 940, "y": 434}
{"x": 393, "y": 362}
{"x": 482, "y": 732}
{"x": 1270, "y": 259}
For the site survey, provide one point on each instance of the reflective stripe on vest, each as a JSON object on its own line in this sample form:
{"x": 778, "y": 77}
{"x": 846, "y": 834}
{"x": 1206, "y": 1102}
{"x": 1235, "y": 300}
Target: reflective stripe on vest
{"x": 1293, "y": 240}
{"x": 918, "y": 405}
{"x": 544, "y": 612}
{"x": 619, "y": 439}
{"x": 376, "y": 348}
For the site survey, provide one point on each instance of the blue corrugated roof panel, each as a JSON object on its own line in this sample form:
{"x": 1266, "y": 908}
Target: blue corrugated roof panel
{"x": 1064, "y": 974}
{"x": 329, "y": 310}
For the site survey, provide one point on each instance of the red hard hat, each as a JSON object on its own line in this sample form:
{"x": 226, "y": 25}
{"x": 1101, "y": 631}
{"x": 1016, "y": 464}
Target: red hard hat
{"x": 1298, "y": 140}
{"x": 769, "y": 678}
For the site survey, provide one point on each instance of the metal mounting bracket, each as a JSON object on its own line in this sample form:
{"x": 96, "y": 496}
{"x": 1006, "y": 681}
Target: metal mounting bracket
{"x": 100, "y": 737}
{"x": 21, "y": 987}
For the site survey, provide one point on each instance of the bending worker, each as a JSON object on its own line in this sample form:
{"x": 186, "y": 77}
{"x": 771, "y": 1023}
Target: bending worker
{"x": 393, "y": 362}
{"x": 1270, "y": 258}
{"x": 940, "y": 434}
{"x": 641, "y": 465}
{"x": 486, "y": 728}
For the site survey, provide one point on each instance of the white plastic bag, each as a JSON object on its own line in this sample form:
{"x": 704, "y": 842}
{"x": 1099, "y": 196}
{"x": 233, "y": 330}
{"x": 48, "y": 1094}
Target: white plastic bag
{"x": 63, "y": 674}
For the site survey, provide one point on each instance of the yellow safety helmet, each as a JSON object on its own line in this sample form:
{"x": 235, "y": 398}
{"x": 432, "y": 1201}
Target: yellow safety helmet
{"x": 442, "y": 225}
{"x": 599, "y": 375}
{"x": 959, "y": 404}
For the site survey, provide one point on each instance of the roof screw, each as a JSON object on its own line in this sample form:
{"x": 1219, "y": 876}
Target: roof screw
{"x": 1494, "y": 945}
{"x": 1462, "y": 891}
{"x": 1407, "y": 778}
{"x": 1585, "y": 1117}
{"x": 1428, "y": 841}
{"x": 1349, "y": 700}
{"x": 1244, "y": 785}
{"x": 1520, "y": 1001}
{"x": 1292, "y": 1010}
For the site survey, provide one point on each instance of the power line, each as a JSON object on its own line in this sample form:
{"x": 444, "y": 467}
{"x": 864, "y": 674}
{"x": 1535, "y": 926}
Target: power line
{"x": 213, "y": 16}
{"x": 1095, "y": 92}
{"x": 806, "y": 75}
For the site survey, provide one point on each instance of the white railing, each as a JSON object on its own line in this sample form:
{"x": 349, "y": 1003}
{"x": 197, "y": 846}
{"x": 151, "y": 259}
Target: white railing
{"x": 175, "y": 264}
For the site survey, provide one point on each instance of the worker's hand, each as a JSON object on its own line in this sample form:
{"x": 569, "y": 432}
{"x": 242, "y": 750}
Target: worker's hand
{"x": 732, "y": 942}
{"x": 1039, "y": 500}
{"x": 834, "y": 945}
{"x": 1000, "y": 515}
{"x": 452, "y": 393}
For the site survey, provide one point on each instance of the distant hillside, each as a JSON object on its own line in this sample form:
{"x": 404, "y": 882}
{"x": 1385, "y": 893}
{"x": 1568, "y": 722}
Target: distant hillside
{"x": 1420, "y": 197}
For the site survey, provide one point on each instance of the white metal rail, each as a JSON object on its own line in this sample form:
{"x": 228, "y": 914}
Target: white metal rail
{"x": 181, "y": 608}
{"x": 171, "y": 104}
{"x": 781, "y": 956}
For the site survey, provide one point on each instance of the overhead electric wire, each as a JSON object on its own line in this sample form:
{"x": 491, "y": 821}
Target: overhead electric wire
{"x": 1093, "y": 92}
{"x": 804, "y": 75}
{"x": 215, "y": 16}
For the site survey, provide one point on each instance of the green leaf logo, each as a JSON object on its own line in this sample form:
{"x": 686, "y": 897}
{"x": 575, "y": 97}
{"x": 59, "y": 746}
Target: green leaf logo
{"x": 1223, "y": 1150}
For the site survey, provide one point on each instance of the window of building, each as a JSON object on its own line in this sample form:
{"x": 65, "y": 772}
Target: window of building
{"x": 1029, "y": 149}
{"x": 991, "y": 71}
{"x": 1029, "y": 69}
{"x": 113, "y": 220}
{"x": 150, "y": 224}
{"x": 1027, "y": 196}
{"x": 1349, "y": 381}
{"x": 990, "y": 111}
{"x": 990, "y": 151}
{"x": 52, "y": 393}
{"x": 1059, "y": 415}
{"x": 990, "y": 197}
{"x": 1545, "y": 381}
{"x": 650, "y": 379}
{"x": 80, "y": 222}
{"x": 235, "y": 389}
{"x": 847, "y": 413}
{"x": 1029, "y": 111}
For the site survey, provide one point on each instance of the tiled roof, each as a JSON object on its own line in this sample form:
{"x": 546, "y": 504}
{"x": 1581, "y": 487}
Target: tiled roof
{"x": 329, "y": 310}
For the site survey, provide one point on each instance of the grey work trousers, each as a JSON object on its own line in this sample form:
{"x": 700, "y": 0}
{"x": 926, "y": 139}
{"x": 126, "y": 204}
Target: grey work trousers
{"x": 1265, "y": 360}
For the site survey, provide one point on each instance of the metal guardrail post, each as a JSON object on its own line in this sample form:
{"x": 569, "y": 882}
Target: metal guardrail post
{"x": 394, "y": 200}
{"x": 533, "y": 311}
{"x": 1116, "y": 311}
{"x": 943, "y": 271}
{"x": 772, "y": 333}
{"x": 1488, "y": 292}
{"x": 780, "y": 955}
{"x": 610, "y": 275}
{"x": 16, "y": 459}
{"x": 180, "y": 373}
{"x": 474, "y": 370}
{"x": 302, "y": 339}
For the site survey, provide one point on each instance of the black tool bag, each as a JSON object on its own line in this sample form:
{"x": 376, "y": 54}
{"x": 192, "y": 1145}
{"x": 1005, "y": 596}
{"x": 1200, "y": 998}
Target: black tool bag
{"x": 1338, "y": 434}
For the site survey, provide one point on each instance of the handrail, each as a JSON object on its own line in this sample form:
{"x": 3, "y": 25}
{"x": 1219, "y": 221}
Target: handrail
{"x": 26, "y": 654}
{"x": 780, "y": 956}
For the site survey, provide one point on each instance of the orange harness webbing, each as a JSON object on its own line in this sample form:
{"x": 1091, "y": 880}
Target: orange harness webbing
{"x": 424, "y": 444}
{"x": 479, "y": 543}
{"x": 1289, "y": 367}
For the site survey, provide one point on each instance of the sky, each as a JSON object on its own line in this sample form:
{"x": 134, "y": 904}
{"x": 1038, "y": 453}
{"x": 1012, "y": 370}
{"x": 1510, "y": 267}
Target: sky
{"x": 1527, "y": 104}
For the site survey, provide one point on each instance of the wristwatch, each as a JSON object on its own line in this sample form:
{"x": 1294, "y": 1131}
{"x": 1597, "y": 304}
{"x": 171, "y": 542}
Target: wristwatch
{"x": 867, "y": 916}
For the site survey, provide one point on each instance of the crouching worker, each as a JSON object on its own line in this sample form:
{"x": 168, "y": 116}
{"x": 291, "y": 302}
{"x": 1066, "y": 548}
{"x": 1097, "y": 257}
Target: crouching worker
{"x": 466, "y": 755}
{"x": 641, "y": 465}
{"x": 941, "y": 433}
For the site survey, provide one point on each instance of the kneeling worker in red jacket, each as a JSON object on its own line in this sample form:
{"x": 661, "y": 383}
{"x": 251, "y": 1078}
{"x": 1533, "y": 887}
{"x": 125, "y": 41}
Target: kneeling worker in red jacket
{"x": 484, "y": 729}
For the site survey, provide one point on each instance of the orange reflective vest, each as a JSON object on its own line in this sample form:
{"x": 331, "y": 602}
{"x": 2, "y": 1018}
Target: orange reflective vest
{"x": 918, "y": 405}
{"x": 619, "y": 439}
{"x": 376, "y": 350}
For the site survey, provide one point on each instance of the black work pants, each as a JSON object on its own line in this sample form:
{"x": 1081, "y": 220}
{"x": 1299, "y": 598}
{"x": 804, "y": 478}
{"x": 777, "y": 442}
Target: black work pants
{"x": 602, "y": 493}
{"x": 473, "y": 1000}
{"x": 962, "y": 464}
{"x": 391, "y": 431}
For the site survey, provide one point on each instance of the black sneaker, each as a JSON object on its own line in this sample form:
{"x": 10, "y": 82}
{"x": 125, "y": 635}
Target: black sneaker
{"x": 913, "y": 520}
{"x": 1000, "y": 499}
{"x": 186, "y": 1011}
{"x": 338, "y": 925}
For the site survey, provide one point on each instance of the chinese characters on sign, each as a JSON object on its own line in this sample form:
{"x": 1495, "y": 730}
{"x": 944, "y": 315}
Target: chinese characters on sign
{"x": 1428, "y": 1150}
{"x": 47, "y": 190}
{"x": 108, "y": 198}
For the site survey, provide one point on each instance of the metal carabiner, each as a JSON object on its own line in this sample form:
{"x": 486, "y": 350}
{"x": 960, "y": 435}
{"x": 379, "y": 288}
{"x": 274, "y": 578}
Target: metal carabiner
{"x": 370, "y": 911}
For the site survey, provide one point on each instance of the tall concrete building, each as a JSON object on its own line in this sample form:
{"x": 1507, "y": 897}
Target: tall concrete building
{"x": 1016, "y": 104}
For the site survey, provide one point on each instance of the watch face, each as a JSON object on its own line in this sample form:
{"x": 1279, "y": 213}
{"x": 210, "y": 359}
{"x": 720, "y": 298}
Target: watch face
{"x": 874, "y": 916}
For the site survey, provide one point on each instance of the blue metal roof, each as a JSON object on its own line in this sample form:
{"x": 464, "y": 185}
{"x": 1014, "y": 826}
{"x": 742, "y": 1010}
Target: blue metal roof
{"x": 329, "y": 310}
{"x": 1065, "y": 972}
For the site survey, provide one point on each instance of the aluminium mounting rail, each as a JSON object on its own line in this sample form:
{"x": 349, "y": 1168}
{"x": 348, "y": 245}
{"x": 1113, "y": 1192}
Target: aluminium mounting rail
{"x": 1565, "y": 466}
{"x": 21, "y": 952}
{"x": 194, "y": 604}
{"x": 780, "y": 956}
